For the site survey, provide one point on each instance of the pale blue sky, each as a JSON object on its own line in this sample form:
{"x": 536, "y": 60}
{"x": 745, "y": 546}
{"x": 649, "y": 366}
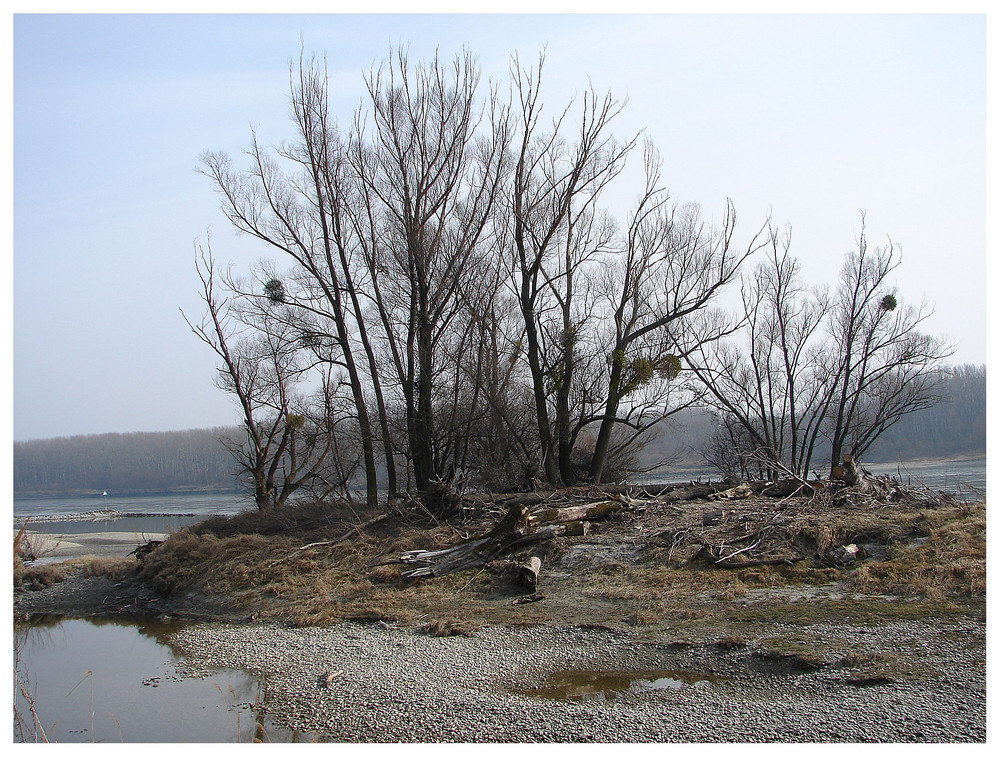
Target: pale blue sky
{"x": 809, "y": 117}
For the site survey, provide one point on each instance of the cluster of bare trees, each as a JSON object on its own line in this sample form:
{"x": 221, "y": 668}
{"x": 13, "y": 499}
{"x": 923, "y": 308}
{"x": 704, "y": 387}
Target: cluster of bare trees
{"x": 451, "y": 298}
{"x": 814, "y": 372}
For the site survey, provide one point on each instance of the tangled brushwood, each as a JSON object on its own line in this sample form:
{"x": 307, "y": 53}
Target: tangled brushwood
{"x": 592, "y": 554}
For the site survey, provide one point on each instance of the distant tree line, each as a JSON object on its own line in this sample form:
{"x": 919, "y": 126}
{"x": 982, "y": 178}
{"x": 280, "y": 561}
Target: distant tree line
{"x": 201, "y": 459}
{"x": 126, "y": 463}
{"x": 454, "y": 298}
{"x": 953, "y": 427}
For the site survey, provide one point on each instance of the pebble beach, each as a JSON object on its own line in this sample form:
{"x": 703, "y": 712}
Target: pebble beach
{"x": 380, "y": 683}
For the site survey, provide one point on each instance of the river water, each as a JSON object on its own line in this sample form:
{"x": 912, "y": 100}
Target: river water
{"x": 99, "y": 680}
{"x": 41, "y": 509}
{"x": 121, "y": 681}
{"x": 168, "y": 512}
{"x": 964, "y": 478}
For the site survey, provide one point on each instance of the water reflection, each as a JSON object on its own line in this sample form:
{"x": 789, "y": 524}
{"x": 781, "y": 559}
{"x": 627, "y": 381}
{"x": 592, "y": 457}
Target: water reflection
{"x": 577, "y": 685}
{"x": 111, "y": 680}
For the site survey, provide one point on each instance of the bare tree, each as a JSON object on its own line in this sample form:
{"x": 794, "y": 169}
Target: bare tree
{"x": 884, "y": 368}
{"x": 777, "y": 387}
{"x": 431, "y": 173}
{"x": 812, "y": 368}
{"x": 554, "y": 189}
{"x": 304, "y": 216}
{"x": 286, "y": 443}
{"x": 671, "y": 268}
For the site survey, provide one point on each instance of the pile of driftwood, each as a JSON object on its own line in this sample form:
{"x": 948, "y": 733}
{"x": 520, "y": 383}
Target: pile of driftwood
{"x": 536, "y": 517}
{"x": 758, "y": 537}
{"x": 520, "y": 527}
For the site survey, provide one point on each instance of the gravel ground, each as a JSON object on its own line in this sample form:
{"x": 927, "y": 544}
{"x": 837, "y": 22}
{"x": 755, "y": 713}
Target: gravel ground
{"x": 392, "y": 684}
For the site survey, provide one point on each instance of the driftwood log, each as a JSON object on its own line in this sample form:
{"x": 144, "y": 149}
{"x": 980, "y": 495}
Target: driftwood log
{"x": 702, "y": 491}
{"x": 517, "y": 529}
{"x": 587, "y": 512}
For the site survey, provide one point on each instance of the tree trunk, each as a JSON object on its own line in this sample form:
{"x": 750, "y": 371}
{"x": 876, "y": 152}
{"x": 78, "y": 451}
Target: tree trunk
{"x": 608, "y": 422}
{"x": 848, "y": 471}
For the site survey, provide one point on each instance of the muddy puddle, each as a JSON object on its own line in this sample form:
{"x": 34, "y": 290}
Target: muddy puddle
{"x": 585, "y": 685}
{"x": 113, "y": 681}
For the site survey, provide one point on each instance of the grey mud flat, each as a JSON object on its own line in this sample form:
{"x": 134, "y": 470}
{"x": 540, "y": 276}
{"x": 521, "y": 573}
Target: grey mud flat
{"x": 382, "y": 683}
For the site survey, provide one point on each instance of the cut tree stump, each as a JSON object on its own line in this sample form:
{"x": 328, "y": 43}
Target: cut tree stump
{"x": 848, "y": 471}
{"x": 528, "y": 573}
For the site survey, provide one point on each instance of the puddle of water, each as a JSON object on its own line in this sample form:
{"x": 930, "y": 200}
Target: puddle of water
{"x": 117, "y": 681}
{"x": 579, "y": 685}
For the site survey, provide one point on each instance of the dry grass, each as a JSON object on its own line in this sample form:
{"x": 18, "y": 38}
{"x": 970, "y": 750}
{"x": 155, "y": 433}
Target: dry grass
{"x": 115, "y": 568}
{"x": 948, "y": 560}
{"x": 860, "y": 659}
{"x": 301, "y": 575}
{"x": 731, "y": 642}
{"x": 448, "y": 627}
{"x": 39, "y": 576}
{"x": 314, "y": 566}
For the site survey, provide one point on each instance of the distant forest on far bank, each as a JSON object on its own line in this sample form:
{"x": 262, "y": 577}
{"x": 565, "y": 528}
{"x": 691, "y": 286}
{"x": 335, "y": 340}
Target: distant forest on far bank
{"x": 197, "y": 460}
{"x": 132, "y": 463}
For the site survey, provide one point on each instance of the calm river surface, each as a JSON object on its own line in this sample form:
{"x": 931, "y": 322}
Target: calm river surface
{"x": 965, "y": 478}
{"x": 52, "y": 508}
{"x": 168, "y": 512}
{"x": 118, "y": 681}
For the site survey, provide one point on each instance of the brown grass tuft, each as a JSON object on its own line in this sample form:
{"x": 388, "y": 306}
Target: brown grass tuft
{"x": 731, "y": 642}
{"x": 115, "y": 568}
{"x": 37, "y": 577}
{"x": 445, "y": 628}
{"x": 859, "y": 659}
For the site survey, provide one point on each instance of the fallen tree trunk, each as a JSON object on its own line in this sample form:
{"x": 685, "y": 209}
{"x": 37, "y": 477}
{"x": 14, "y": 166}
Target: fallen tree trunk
{"x": 743, "y": 491}
{"x": 511, "y": 533}
{"x": 705, "y": 491}
{"x": 590, "y": 511}
{"x": 474, "y": 553}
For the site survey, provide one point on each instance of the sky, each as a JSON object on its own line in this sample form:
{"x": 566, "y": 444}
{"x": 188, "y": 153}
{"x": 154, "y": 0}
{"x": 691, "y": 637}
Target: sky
{"x": 808, "y": 119}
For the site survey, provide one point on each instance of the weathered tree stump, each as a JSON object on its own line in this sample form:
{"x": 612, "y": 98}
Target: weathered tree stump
{"x": 848, "y": 471}
{"x": 528, "y": 573}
